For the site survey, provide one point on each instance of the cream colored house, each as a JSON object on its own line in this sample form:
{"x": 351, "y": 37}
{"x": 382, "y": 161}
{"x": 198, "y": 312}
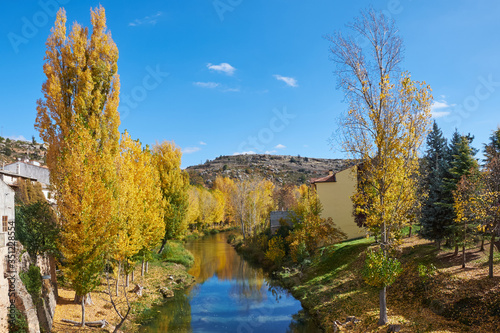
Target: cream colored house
{"x": 334, "y": 192}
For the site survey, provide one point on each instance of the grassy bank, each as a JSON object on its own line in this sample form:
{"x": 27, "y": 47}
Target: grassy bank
{"x": 433, "y": 294}
{"x": 173, "y": 262}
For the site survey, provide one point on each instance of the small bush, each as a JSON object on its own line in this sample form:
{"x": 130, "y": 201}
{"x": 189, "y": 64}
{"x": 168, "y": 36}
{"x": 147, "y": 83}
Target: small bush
{"x": 17, "y": 323}
{"x": 32, "y": 280}
{"x": 276, "y": 250}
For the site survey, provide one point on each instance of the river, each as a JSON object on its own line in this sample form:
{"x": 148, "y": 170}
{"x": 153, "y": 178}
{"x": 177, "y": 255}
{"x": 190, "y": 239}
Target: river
{"x": 229, "y": 296}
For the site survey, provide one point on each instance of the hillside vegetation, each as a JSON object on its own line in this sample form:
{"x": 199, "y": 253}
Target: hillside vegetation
{"x": 280, "y": 169}
{"x": 12, "y": 150}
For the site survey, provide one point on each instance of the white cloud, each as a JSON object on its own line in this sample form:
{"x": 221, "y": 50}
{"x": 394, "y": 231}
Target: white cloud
{"x": 17, "y": 137}
{"x": 203, "y": 143}
{"x": 209, "y": 85}
{"x": 438, "y": 108}
{"x": 231, "y": 90}
{"x": 439, "y": 114}
{"x": 146, "y": 20}
{"x": 280, "y": 146}
{"x": 290, "y": 81}
{"x": 269, "y": 152}
{"x": 223, "y": 68}
{"x": 190, "y": 150}
{"x": 250, "y": 152}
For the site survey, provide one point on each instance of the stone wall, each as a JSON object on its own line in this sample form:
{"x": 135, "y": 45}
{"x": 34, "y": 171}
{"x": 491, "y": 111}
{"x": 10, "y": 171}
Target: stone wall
{"x": 40, "y": 315}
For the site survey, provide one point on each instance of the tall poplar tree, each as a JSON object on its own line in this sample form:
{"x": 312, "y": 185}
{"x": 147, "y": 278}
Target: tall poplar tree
{"x": 387, "y": 121}
{"x": 77, "y": 117}
{"x": 174, "y": 185}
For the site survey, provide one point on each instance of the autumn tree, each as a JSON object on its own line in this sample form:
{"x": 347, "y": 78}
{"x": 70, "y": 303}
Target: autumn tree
{"x": 210, "y": 205}
{"x": 437, "y": 215}
{"x": 140, "y": 204}
{"x": 252, "y": 201}
{"x": 227, "y": 187}
{"x": 387, "y": 120}
{"x": 77, "y": 117}
{"x": 310, "y": 230}
{"x": 285, "y": 197}
{"x": 174, "y": 184}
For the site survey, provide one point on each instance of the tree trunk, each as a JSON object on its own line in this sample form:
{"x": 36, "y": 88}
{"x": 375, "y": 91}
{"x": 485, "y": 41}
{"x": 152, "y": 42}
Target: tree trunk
{"x": 83, "y": 311}
{"x": 147, "y": 266}
{"x": 126, "y": 280}
{"x": 132, "y": 277}
{"x": 456, "y": 247}
{"x": 86, "y": 298}
{"x": 383, "y": 307}
{"x": 490, "y": 261}
{"x": 438, "y": 244}
{"x": 463, "y": 245}
{"x": 409, "y": 233}
{"x": 142, "y": 267}
{"x": 163, "y": 242}
{"x": 482, "y": 243}
{"x": 117, "y": 279}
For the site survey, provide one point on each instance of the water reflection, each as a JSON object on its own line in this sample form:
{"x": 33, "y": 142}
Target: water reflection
{"x": 229, "y": 296}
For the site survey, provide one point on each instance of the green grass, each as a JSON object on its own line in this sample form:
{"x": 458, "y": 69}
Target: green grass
{"x": 175, "y": 252}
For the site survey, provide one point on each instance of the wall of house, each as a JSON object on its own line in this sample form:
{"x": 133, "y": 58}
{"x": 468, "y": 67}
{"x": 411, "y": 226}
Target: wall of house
{"x": 337, "y": 204}
{"x": 28, "y": 170}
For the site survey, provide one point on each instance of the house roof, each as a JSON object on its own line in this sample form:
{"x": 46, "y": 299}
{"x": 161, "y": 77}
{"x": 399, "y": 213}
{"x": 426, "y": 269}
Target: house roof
{"x": 13, "y": 174}
{"x": 326, "y": 179}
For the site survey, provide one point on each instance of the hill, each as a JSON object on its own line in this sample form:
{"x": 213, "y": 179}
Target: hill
{"x": 280, "y": 169}
{"x": 14, "y": 150}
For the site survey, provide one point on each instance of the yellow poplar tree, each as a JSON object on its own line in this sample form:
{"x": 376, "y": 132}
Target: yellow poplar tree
{"x": 227, "y": 187}
{"x": 174, "y": 184}
{"x": 387, "y": 120}
{"x": 193, "y": 211}
{"x": 78, "y": 119}
{"x": 140, "y": 204}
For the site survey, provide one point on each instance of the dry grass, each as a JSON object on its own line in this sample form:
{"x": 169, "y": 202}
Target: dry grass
{"x": 102, "y": 309}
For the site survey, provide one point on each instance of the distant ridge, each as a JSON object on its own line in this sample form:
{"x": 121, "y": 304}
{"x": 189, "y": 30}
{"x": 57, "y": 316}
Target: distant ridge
{"x": 280, "y": 169}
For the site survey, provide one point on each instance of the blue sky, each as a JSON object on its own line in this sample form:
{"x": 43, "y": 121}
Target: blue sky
{"x": 220, "y": 77}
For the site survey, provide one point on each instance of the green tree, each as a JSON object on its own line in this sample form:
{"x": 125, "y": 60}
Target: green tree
{"x": 436, "y": 216}
{"x": 36, "y": 228}
{"x": 461, "y": 163}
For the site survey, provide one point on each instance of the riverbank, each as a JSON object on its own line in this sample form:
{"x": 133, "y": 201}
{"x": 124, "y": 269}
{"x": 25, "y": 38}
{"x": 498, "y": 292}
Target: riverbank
{"x": 433, "y": 294}
{"x": 168, "y": 270}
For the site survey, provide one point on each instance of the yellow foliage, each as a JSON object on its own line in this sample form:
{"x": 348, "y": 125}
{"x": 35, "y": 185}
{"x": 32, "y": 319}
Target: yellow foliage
{"x": 174, "y": 184}
{"x": 78, "y": 119}
{"x": 276, "y": 250}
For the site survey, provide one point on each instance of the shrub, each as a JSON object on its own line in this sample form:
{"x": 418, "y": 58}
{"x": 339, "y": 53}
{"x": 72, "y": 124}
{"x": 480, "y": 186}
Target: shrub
{"x": 32, "y": 280}
{"x": 17, "y": 323}
{"x": 276, "y": 250}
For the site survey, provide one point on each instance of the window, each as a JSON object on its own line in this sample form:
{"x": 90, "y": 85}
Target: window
{"x": 5, "y": 225}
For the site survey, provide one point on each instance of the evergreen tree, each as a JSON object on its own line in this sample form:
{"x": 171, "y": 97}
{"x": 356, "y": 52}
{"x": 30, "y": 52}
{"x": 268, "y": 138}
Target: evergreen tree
{"x": 461, "y": 161}
{"x": 436, "y": 215}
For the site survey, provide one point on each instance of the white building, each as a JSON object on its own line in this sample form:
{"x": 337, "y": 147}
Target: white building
{"x": 35, "y": 172}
